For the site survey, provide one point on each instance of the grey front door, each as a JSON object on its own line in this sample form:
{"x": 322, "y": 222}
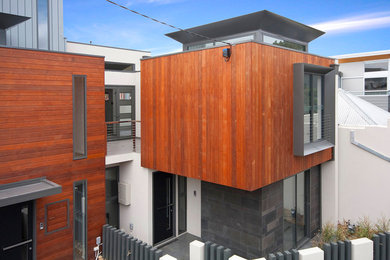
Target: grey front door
{"x": 16, "y": 231}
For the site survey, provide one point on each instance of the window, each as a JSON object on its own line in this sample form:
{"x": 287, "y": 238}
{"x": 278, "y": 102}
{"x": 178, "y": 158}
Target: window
{"x": 375, "y": 86}
{"x": 117, "y": 66}
{"x": 233, "y": 40}
{"x": 296, "y": 209}
{"x": 80, "y": 220}
{"x": 313, "y": 108}
{"x": 43, "y": 24}
{"x": 79, "y": 117}
{"x": 284, "y": 43}
{"x": 373, "y": 66}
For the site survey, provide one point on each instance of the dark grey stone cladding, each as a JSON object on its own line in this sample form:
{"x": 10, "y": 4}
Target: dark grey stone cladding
{"x": 249, "y": 223}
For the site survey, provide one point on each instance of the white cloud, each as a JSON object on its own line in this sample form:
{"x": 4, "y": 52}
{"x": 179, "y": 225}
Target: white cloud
{"x": 355, "y": 23}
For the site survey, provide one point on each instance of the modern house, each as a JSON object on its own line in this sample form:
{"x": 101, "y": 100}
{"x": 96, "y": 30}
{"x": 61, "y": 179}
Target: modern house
{"x": 52, "y": 141}
{"x": 236, "y": 135}
{"x": 367, "y": 76}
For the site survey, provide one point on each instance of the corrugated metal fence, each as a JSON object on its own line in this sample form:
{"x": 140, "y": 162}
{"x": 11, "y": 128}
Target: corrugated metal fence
{"x": 117, "y": 245}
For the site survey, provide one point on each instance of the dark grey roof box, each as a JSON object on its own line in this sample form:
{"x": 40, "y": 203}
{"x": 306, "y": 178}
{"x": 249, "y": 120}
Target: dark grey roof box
{"x": 9, "y": 20}
{"x": 262, "y": 20}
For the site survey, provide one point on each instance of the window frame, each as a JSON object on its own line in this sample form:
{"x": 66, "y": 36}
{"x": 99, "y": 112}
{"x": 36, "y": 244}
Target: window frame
{"x": 312, "y": 97}
{"x": 47, "y": 21}
{"x": 328, "y": 135}
{"x": 85, "y": 155}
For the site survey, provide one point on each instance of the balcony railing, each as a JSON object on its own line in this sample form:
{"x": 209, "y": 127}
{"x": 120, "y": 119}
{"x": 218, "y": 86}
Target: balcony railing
{"x": 125, "y": 130}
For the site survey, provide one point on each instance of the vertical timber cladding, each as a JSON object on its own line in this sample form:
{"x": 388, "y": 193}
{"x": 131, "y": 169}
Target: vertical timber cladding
{"x": 36, "y": 137}
{"x": 229, "y": 123}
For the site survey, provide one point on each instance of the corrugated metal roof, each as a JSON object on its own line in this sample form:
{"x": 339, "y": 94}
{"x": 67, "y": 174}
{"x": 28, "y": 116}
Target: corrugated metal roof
{"x": 354, "y": 111}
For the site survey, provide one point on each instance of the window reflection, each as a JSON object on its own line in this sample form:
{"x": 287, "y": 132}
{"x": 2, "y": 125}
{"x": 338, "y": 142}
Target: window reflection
{"x": 284, "y": 43}
{"x": 375, "y": 86}
{"x": 43, "y": 24}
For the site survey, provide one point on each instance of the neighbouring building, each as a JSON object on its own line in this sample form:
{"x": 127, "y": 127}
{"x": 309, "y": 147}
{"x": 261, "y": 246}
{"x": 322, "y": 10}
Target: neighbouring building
{"x": 36, "y": 24}
{"x": 235, "y": 137}
{"x": 367, "y": 76}
{"x": 355, "y": 181}
{"x": 53, "y": 138}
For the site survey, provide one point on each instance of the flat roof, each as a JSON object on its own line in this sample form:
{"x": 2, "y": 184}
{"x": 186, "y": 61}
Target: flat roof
{"x": 262, "y": 20}
{"x": 361, "y": 54}
{"x": 50, "y": 51}
{"x": 16, "y": 192}
{"x": 104, "y": 46}
{"x": 214, "y": 47}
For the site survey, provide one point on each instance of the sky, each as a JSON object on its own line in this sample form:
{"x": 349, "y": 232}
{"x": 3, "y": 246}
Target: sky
{"x": 351, "y": 25}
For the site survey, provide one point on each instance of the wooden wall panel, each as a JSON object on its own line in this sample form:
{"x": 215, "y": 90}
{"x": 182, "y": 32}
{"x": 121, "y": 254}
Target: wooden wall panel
{"x": 36, "y": 137}
{"x": 229, "y": 123}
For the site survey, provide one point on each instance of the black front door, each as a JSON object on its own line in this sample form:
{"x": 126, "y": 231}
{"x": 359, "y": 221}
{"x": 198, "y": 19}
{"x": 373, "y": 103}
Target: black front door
{"x": 163, "y": 206}
{"x": 16, "y": 231}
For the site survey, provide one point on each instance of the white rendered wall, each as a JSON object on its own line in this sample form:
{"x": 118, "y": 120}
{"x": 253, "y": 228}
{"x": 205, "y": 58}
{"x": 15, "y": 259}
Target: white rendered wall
{"x": 139, "y": 213}
{"x": 363, "y": 177}
{"x": 353, "y": 76}
{"x": 116, "y": 77}
{"x": 194, "y": 207}
{"x": 329, "y": 178}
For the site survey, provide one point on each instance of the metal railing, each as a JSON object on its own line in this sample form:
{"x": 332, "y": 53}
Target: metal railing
{"x": 122, "y": 130}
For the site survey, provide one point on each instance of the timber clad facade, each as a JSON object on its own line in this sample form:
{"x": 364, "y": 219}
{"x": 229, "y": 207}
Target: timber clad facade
{"x": 229, "y": 123}
{"x": 36, "y": 140}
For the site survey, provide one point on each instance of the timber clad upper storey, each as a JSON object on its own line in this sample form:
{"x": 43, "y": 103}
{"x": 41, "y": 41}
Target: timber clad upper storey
{"x": 37, "y": 140}
{"x": 229, "y": 123}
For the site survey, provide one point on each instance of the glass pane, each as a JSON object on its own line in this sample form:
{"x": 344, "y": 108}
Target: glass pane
{"x": 43, "y": 25}
{"x": 284, "y": 43}
{"x": 236, "y": 40}
{"x": 79, "y": 114}
{"x": 300, "y": 214}
{"x": 317, "y": 107}
{"x": 124, "y": 96}
{"x": 182, "y": 203}
{"x": 112, "y": 206}
{"x": 125, "y": 109}
{"x": 375, "y": 86}
{"x": 289, "y": 213}
{"x": 376, "y": 66}
{"x": 79, "y": 221}
{"x": 307, "y": 109}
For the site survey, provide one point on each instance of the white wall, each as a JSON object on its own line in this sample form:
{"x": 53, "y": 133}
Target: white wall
{"x": 115, "y": 77}
{"x": 139, "y": 213}
{"x": 194, "y": 207}
{"x": 363, "y": 177}
{"x": 353, "y": 76}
